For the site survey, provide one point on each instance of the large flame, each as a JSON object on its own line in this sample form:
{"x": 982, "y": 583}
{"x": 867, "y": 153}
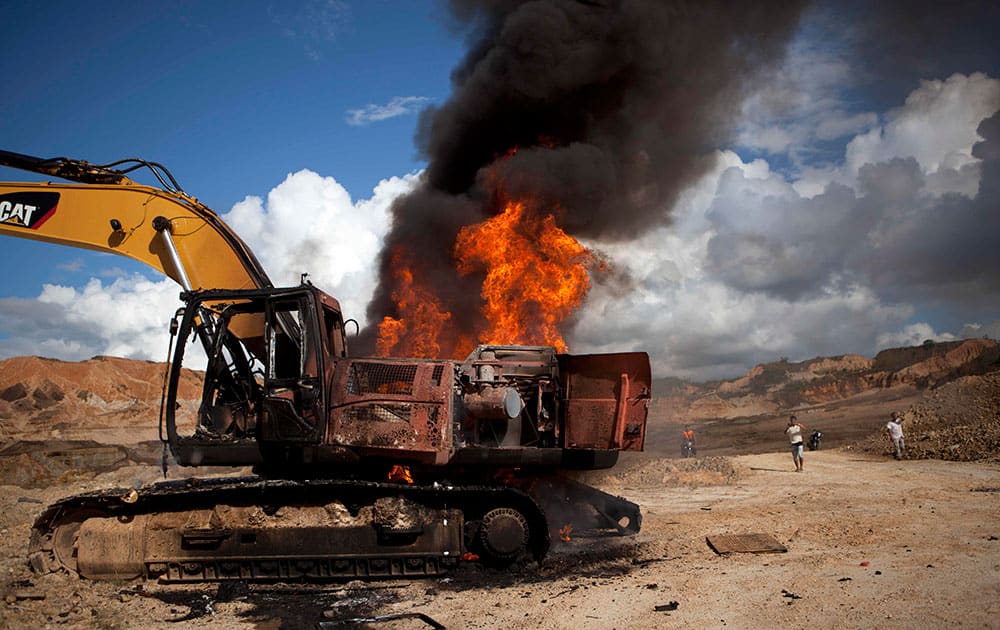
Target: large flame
{"x": 417, "y": 330}
{"x": 535, "y": 276}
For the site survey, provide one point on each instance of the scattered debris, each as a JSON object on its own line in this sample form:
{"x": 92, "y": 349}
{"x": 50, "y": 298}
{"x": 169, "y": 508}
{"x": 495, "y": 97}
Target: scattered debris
{"x": 568, "y": 590}
{"x": 745, "y": 543}
{"x": 198, "y": 609}
{"x": 384, "y": 618}
{"x": 847, "y": 579}
{"x": 642, "y": 563}
{"x": 232, "y": 590}
{"x": 666, "y": 607}
{"x": 791, "y": 595}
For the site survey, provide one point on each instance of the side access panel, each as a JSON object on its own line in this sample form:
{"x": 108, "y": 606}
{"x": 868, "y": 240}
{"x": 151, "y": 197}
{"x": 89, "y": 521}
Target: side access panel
{"x": 606, "y": 400}
{"x": 397, "y": 409}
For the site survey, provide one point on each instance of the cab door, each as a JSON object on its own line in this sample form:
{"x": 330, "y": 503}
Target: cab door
{"x": 293, "y": 384}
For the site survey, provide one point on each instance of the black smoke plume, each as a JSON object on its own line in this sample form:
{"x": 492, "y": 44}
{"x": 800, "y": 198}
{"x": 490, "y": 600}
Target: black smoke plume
{"x": 599, "y": 111}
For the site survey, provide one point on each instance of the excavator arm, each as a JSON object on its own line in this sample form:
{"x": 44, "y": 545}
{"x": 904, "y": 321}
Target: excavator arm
{"x": 166, "y": 229}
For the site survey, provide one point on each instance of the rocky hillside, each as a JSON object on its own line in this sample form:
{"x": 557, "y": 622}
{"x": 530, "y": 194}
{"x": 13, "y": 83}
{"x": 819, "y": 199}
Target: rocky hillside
{"x": 775, "y": 387}
{"x": 958, "y": 421}
{"x": 46, "y": 398}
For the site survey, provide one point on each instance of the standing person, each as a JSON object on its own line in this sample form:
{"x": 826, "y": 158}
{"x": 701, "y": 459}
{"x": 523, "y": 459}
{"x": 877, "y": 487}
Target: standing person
{"x": 794, "y": 432}
{"x": 895, "y": 429}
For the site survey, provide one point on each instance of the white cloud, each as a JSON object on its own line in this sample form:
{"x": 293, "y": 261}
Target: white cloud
{"x": 936, "y": 125}
{"x": 72, "y": 266}
{"x": 851, "y": 256}
{"x": 126, "y": 318}
{"x": 398, "y": 106}
{"x": 991, "y": 330}
{"x": 911, "y": 335}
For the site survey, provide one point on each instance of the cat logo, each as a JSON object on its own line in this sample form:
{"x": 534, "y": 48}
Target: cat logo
{"x": 27, "y": 209}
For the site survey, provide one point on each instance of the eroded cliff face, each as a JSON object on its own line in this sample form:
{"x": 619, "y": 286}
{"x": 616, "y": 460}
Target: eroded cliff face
{"x": 42, "y": 398}
{"x": 780, "y": 386}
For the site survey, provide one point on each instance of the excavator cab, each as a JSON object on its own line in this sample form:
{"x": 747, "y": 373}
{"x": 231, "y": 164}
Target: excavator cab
{"x": 264, "y": 354}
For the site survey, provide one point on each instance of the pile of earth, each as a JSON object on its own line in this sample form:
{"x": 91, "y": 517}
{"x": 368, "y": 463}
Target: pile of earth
{"x": 958, "y": 421}
{"x": 643, "y": 470}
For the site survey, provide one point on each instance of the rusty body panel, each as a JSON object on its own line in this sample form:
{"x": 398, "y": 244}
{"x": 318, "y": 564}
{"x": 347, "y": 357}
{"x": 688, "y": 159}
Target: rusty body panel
{"x": 384, "y": 406}
{"x": 607, "y": 399}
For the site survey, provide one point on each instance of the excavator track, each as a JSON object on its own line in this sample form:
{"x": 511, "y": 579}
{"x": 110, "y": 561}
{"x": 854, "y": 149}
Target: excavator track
{"x": 252, "y": 529}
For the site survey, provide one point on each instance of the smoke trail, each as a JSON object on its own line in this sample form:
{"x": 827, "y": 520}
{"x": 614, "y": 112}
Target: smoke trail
{"x": 600, "y": 112}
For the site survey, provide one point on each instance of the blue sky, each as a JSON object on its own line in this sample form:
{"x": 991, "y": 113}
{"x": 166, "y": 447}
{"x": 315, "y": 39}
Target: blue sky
{"x": 798, "y": 242}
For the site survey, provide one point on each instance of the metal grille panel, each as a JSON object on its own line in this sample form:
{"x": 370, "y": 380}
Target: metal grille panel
{"x": 380, "y": 378}
{"x": 436, "y": 376}
{"x": 379, "y": 413}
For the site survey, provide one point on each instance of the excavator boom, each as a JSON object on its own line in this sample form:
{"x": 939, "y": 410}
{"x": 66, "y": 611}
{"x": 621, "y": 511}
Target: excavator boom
{"x": 106, "y": 211}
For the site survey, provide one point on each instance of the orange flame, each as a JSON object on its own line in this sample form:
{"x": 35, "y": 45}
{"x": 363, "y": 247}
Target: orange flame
{"x": 564, "y": 532}
{"x": 400, "y": 473}
{"x": 416, "y": 332}
{"x": 536, "y": 275}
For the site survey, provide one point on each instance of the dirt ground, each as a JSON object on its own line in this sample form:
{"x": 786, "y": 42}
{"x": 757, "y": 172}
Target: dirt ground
{"x": 871, "y": 542}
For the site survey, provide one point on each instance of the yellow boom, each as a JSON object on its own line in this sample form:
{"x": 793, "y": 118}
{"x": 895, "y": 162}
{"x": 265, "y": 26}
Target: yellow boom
{"x": 165, "y": 229}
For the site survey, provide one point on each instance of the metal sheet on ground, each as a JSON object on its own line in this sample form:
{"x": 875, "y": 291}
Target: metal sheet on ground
{"x": 745, "y": 543}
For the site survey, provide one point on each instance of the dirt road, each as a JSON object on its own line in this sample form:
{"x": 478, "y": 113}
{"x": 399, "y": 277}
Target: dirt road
{"x": 871, "y": 542}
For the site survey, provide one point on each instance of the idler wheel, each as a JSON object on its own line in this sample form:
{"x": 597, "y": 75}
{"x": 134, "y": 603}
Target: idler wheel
{"x": 65, "y": 537}
{"x": 503, "y": 534}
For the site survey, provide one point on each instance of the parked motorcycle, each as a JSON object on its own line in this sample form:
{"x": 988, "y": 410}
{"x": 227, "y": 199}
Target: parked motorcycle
{"x": 688, "y": 449}
{"x": 814, "y": 440}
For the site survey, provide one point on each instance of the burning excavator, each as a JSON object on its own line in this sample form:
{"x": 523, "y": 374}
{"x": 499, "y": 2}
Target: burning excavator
{"x": 363, "y": 466}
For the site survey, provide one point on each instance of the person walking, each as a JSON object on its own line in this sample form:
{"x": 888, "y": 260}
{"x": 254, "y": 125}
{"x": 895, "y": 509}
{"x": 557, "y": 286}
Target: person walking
{"x": 794, "y": 431}
{"x": 895, "y": 429}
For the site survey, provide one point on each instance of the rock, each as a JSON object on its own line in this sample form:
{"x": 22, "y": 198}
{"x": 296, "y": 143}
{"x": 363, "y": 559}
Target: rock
{"x": 16, "y": 391}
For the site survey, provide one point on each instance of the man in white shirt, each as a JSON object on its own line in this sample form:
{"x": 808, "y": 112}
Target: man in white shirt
{"x": 794, "y": 432}
{"x": 895, "y": 429}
